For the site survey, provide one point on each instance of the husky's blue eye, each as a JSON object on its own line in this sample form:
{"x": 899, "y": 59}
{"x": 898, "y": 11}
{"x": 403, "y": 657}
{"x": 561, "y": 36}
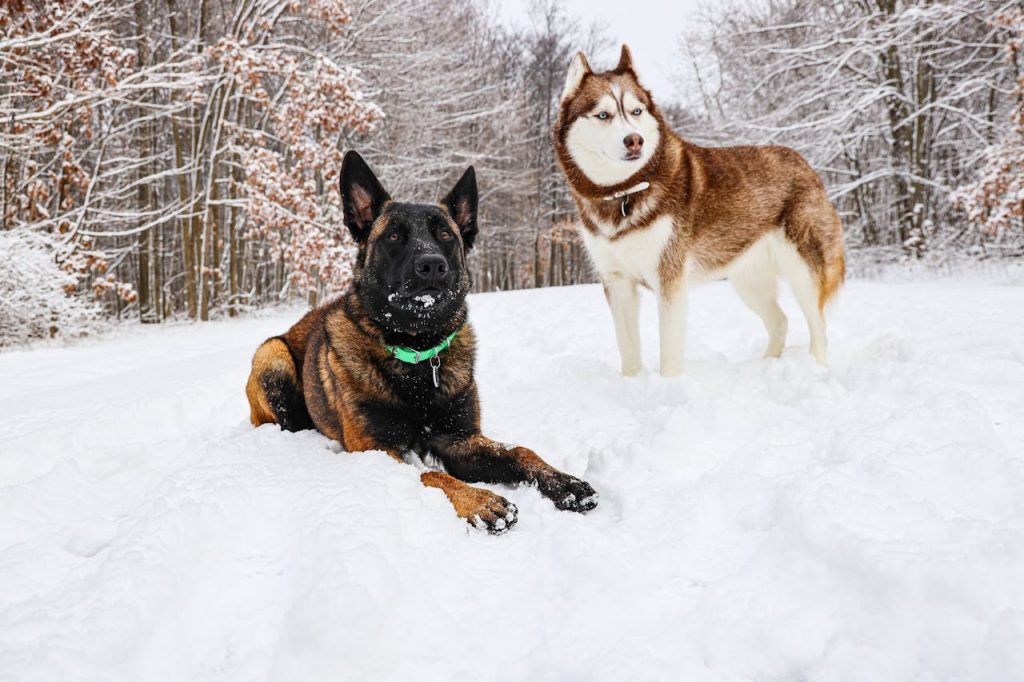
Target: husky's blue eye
{"x": 638, "y": 111}
{"x": 603, "y": 115}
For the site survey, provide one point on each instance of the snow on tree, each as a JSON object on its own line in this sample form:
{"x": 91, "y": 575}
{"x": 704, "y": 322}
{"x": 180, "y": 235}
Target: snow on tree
{"x": 38, "y": 298}
{"x": 180, "y": 157}
{"x": 127, "y": 129}
{"x": 893, "y": 100}
{"x": 994, "y": 202}
{"x": 290, "y": 167}
{"x": 59, "y": 63}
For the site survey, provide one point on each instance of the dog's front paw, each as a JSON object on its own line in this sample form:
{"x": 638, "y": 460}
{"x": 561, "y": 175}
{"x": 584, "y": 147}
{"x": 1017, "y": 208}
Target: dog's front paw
{"x": 486, "y": 510}
{"x": 568, "y": 492}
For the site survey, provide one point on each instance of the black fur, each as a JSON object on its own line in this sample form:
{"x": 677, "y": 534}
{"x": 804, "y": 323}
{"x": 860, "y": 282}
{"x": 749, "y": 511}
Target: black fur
{"x": 286, "y": 401}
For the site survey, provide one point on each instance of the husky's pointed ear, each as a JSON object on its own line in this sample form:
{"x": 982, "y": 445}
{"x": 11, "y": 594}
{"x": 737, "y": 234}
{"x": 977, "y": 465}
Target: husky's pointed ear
{"x": 578, "y": 68}
{"x": 461, "y": 205}
{"x": 625, "y": 59}
{"x": 362, "y": 196}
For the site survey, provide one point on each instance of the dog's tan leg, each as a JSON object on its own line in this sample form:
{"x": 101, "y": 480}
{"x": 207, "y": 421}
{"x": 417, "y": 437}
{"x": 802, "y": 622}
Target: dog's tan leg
{"x": 672, "y": 305}
{"x": 482, "y": 508}
{"x": 624, "y": 302}
{"x": 478, "y": 458}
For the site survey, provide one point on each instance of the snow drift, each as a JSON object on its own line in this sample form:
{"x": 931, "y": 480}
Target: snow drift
{"x": 764, "y": 520}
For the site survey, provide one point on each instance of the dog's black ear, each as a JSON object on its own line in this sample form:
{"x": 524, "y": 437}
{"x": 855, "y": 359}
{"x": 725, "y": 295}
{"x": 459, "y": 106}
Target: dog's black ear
{"x": 625, "y": 59}
{"x": 461, "y": 204}
{"x": 362, "y": 196}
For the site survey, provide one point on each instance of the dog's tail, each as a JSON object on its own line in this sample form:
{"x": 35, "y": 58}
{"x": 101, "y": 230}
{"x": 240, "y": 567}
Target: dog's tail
{"x": 832, "y": 277}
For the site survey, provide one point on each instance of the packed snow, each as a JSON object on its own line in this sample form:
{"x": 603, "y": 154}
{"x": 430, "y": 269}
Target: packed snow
{"x": 759, "y": 519}
{"x": 426, "y": 299}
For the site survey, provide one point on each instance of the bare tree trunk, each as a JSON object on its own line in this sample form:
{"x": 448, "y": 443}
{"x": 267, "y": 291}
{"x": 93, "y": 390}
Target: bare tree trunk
{"x": 144, "y": 245}
{"x": 203, "y": 226}
{"x": 8, "y": 162}
{"x": 184, "y": 196}
{"x": 234, "y": 249}
{"x": 538, "y": 273}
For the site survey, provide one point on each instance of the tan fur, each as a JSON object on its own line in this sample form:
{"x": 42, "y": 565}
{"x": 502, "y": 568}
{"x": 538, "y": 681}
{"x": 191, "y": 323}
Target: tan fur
{"x": 470, "y": 503}
{"x": 835, "y": 273}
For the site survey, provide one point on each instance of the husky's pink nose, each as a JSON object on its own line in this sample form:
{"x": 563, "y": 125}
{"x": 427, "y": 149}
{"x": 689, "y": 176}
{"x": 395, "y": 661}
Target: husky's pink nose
{"x": 633, "y": 142}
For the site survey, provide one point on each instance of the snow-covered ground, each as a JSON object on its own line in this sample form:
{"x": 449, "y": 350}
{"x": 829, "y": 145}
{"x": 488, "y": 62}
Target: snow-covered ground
{"x": 759, "y": 520}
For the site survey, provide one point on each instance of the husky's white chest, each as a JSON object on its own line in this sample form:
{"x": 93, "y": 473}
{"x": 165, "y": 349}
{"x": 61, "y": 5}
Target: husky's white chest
{"x": 636, "y": 255}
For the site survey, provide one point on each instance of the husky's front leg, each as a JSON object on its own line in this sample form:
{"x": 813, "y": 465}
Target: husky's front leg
{"x": 672, "y": 327}
{"x": 624, "y": 301}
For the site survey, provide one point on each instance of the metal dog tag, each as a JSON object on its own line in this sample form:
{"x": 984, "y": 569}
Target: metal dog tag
{"x": 435, "y": 364}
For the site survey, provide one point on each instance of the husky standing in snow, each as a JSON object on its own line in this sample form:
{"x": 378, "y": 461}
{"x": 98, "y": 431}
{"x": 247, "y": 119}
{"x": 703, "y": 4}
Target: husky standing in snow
{"x": 661, "y": 212}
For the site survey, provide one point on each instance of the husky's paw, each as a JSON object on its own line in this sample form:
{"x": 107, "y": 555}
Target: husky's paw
{"x": 631, "y": 369}
{"x": 487, "y": 511}
{"x": 568, "y": 492}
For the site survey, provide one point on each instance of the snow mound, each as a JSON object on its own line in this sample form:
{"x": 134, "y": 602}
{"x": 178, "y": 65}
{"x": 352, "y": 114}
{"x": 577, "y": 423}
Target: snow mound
{"x": 759, "y": 519}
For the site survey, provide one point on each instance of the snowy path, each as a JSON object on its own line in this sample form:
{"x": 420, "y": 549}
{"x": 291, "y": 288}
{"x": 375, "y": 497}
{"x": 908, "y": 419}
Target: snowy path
{"x": 764, "y": 520}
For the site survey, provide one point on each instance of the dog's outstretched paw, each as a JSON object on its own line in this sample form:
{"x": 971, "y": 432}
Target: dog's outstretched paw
{"x": 490, "y": 512}
{"x": 568, "y": 492}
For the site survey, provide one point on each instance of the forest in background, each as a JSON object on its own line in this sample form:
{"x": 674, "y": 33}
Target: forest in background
{"x": 179, "y": 158}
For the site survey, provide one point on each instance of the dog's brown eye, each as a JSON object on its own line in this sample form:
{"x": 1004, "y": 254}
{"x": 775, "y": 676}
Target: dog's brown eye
{"x": 393, "y": 237}
{"x": 445, "y": 235}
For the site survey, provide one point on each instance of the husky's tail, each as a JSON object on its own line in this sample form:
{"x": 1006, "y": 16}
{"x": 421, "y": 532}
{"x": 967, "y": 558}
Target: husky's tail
{"x": 832, "y": 276}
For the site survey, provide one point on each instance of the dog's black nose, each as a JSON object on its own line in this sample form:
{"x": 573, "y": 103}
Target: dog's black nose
{"x": 633, "y": 142}
{"x": 431, "y": 267}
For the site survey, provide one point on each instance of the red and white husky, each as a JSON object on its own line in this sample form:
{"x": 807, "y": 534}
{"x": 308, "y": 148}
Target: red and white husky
{"x": 663, "y": 213}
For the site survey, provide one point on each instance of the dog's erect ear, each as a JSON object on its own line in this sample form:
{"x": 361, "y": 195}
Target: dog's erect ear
{"x": 461, "y": 204}
{"x": 625, "y": 59}
{"x": 578, "y": 68}
{"x": 362, "y": 196}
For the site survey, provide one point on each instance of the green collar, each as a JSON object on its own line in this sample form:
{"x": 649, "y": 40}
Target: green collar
{"x": 414, "y": 356}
